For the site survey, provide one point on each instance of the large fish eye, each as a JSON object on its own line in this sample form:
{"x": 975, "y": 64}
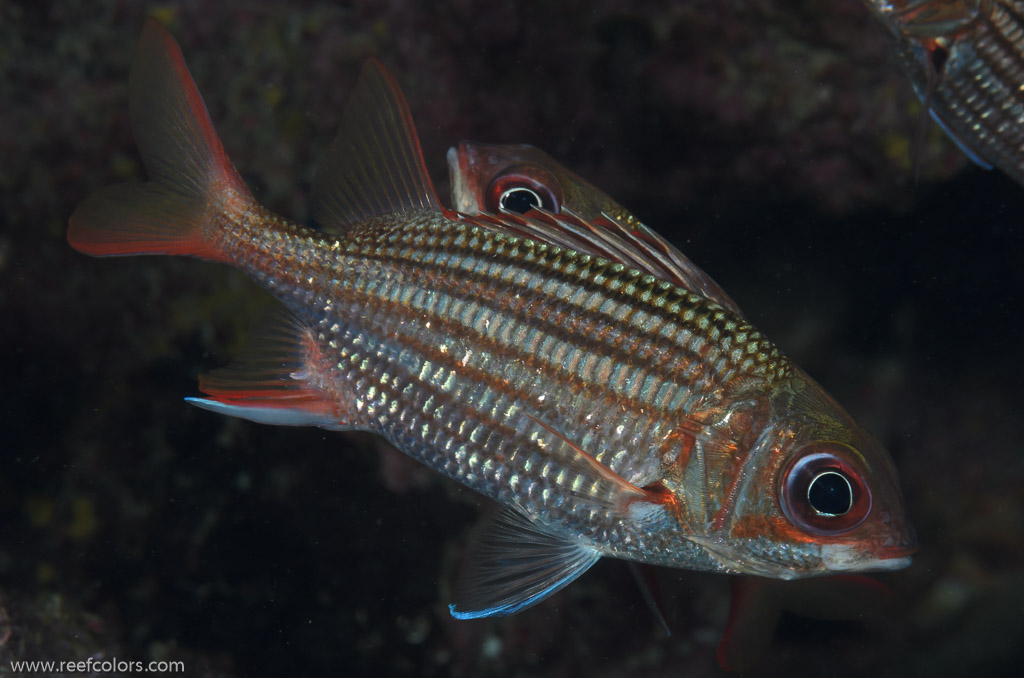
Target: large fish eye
{"x": 823, "y": 491}
{"x": 521, "y": 188}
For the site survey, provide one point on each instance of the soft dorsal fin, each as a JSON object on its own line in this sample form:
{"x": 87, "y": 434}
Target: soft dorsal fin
{"x": 374, "y": 166}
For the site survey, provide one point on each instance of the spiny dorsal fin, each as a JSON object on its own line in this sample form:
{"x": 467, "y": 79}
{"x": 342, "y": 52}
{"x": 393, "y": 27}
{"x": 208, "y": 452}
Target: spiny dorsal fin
{"x": 636, "y": 246}
{"x": 374, "y": 166}
{"x": 567, "y": 211}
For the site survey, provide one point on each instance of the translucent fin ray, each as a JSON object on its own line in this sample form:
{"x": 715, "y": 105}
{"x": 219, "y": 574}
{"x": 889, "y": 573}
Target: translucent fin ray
{"x": 647, "y": 584}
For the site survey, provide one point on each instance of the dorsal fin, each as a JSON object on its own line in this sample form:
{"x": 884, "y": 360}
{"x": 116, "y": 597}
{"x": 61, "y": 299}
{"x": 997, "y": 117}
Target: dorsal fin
{"x": 566, "y": 210}
{"x": 637, "y": 246}
{"x": 374, "y": 166}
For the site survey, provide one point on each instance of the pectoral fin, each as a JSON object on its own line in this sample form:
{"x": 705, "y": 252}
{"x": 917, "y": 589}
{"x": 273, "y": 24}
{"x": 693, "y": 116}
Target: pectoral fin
{"x": 514, "y": 564}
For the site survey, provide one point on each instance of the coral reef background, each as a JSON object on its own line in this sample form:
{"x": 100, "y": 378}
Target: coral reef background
{"x": 768, "y": 139}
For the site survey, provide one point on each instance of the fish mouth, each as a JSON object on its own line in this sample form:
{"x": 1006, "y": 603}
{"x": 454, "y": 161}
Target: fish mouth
{"x": 849, "y": 558}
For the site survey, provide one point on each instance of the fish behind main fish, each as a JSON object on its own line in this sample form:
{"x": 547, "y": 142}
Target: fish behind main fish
{"x": 512, "y": 178}
{"x": 609, "y": 412}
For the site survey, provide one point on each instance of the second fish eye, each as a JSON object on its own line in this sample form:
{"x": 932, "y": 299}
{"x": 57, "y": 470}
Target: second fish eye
{"x": 520, "y": 188}
{"x": 519, "y": 199}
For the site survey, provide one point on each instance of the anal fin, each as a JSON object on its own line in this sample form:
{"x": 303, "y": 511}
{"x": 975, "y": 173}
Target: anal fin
{"x": 514, "y": 564}
{"x": 269, "y": 382}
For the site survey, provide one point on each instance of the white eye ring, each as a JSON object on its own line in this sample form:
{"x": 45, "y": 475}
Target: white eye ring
{"x": 534, "y": 197}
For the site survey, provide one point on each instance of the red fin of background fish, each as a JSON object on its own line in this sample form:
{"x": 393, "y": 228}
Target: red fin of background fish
{"x": 374, "y": 166}
{"x": 754, "y": 612}
{"x": 757, "y": 605}
{"x": 515, "y": 563}
{"x": 268, "y": 382}
{"x": 191, "y": 177}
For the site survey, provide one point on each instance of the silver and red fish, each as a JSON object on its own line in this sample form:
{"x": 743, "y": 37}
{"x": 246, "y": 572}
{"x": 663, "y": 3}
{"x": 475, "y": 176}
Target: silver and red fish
{"x": 497, "y": 178}
{"x": 608, "y": 410}
{"x": 965, "y": 59}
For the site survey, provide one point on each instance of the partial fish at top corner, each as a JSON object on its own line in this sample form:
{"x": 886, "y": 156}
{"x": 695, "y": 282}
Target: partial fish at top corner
{"x": 965, "y": 59}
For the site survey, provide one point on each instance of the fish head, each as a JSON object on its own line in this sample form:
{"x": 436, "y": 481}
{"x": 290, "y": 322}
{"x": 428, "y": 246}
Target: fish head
{"x": 818, "y": 495}
{"x": 496, "y": 178}
{"x": 931, "y": 19}
{"x": 928, "y": 36}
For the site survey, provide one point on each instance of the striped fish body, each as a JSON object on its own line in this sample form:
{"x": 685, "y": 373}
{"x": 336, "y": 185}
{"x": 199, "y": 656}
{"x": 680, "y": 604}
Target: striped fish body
{"x": 610, "y": 411}
{"x": 965, "y": 59}
{"x": 478, "y": 352}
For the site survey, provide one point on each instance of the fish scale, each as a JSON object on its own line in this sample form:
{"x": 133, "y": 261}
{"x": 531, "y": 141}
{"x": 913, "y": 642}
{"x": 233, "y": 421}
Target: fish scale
{"x": 556, "y": 367}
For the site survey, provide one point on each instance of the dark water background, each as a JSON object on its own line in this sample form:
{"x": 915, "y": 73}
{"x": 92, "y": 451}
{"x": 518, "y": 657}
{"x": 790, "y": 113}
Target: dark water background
{"x": 768, "y": 139}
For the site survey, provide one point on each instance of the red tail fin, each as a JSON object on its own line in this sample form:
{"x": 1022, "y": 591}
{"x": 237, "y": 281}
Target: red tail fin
{"x": 192, "y": 179}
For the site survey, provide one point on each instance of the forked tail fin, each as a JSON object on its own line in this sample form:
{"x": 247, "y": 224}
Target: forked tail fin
{"x": 191, "y": 178}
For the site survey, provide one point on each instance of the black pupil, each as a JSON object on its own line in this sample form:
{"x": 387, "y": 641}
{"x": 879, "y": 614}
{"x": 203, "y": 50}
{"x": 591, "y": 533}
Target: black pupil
{"x": 830, "y": 494}
{"x": 519, "y": 200}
